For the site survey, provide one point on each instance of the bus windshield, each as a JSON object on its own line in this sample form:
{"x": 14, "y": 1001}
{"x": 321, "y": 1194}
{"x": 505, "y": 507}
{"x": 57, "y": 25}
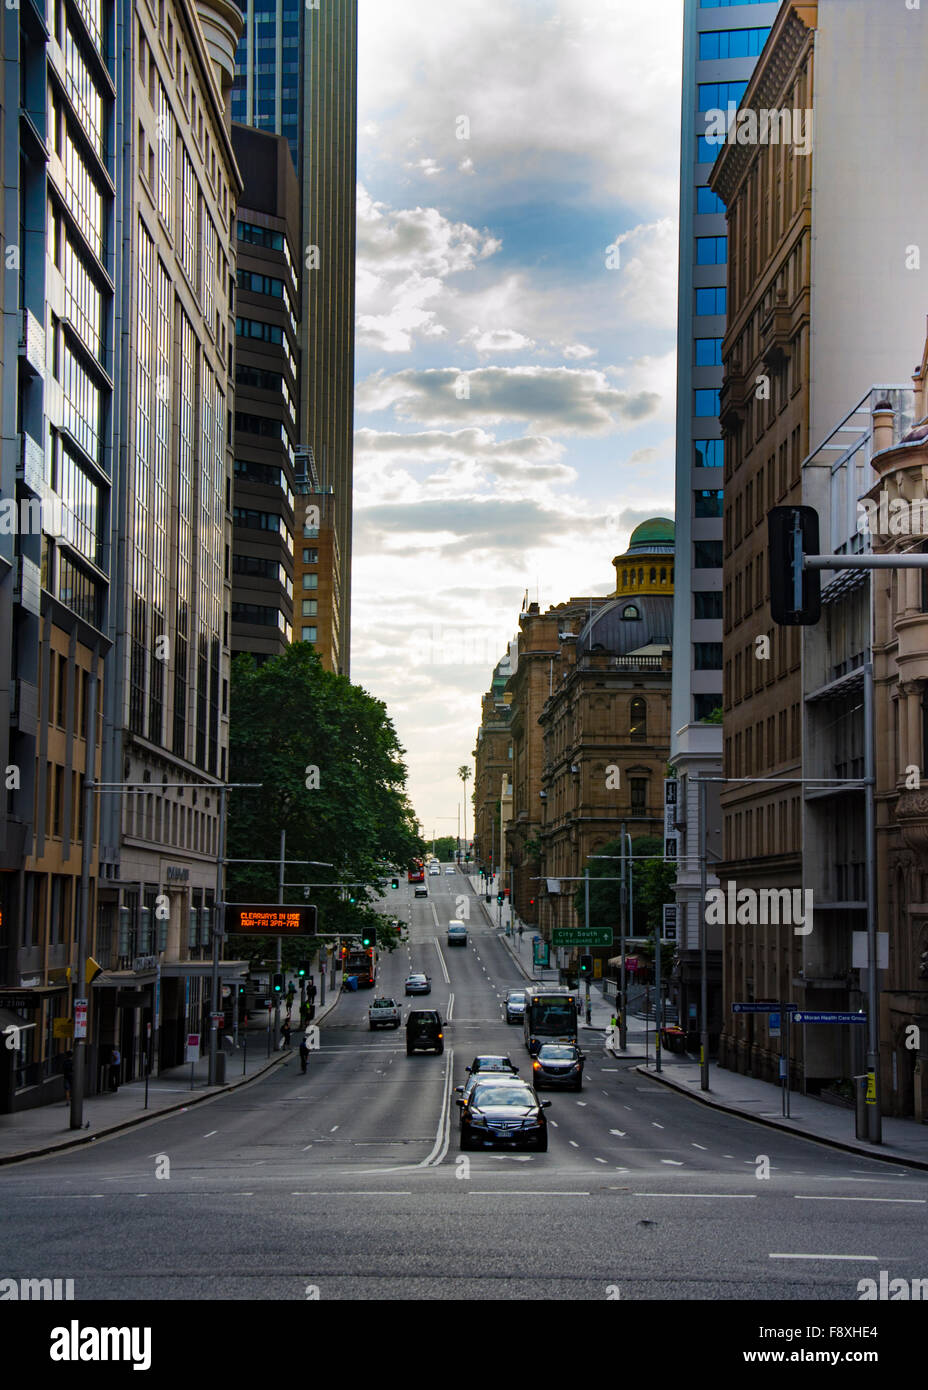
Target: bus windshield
{"x": 554, "y": 1015}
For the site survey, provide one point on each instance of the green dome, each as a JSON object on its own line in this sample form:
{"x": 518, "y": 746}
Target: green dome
{"x": 659, "y": 530}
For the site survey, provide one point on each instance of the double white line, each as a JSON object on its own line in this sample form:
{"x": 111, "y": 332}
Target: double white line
{"x": 443, "y": 1137}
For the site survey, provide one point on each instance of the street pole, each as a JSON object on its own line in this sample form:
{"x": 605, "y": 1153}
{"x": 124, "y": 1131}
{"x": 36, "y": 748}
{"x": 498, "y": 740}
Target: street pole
{"x": 703, "y": 979}
{"x": 79, "y": 985}
{"x": 659, "y": 1011}
{"x": 874, "y": 1107}
{"x": 280, "y": 899}
{"x": 586, "y": 909}
{"x": 217, "y": 938}
{"x": 623, "y": 1024}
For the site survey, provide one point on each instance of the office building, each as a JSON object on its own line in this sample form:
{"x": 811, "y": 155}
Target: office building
{"x": 296, "y": 75}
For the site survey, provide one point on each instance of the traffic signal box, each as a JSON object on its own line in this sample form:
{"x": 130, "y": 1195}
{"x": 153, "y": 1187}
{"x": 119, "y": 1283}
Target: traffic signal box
{"x": 795, "y": 593}
{"x": 586, "y": 965}
{"x": 278, "y": 984}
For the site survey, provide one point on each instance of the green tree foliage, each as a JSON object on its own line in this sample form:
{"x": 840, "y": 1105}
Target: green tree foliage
{"x": 652, "y": 886}
{"x": 445, "y": 847}
{"x": 333, "y": 777}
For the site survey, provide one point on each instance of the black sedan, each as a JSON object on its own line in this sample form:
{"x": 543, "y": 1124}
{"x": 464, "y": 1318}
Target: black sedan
{"x": 504, "y": 1112}
{"x": 558, "y": 1064}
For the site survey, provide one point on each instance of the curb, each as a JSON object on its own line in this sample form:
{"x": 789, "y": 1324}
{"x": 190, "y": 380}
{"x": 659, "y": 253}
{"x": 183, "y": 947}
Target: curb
{"x": 86, "y": 1137}
{"x": 844, "y": 1146}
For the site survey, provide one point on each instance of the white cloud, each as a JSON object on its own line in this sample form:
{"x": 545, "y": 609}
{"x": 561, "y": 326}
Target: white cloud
{"x": 576, "y": 352}
{"x": 498, "y": 340}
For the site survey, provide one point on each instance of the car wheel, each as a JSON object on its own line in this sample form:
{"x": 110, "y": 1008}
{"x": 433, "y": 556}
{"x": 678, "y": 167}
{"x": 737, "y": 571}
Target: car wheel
{"x": 373, "y": 1026}
{"x": 541, "y": 1143}
{"x": 409, "y": 1050}
{"x": 396, "y": 1025}
{"x": 466, "y": 1141}
{"x": 441, "y": 1049}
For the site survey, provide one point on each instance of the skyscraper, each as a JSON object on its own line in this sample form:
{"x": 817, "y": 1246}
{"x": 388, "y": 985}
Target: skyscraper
{"x": 296, "y": 75}
{"x": 721, "y": 43}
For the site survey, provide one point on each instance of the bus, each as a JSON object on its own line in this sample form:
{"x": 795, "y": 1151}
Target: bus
{"x": 550, "y": 1016}
{"x": 361, "y": 962}
{"x": 416, "y": 872}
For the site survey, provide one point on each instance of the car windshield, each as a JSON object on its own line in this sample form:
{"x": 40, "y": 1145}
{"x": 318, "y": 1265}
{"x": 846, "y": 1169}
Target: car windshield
{"x": 416, "y": 978}
{"x": 516, "y": 996}
{"x": 496, "y": 1094}
{"x": 491, "y": 1064}
{"x": 384, "y": 1004}
{"x": 550, "y": 1052}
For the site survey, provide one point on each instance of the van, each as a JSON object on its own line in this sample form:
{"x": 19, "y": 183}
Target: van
{"x": 424, "y": 1031}
{"x": 457, "y": 933}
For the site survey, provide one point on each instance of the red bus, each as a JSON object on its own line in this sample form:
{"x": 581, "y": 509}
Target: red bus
{"x": 416, "y": 872}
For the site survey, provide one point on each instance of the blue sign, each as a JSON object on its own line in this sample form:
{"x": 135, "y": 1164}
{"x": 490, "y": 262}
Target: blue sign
{"x": 763, "y": 1008}
{"x": 828, "y": 1018}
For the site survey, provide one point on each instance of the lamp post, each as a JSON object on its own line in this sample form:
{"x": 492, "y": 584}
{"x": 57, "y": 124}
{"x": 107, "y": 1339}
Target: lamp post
{"x": 464, "y": 774}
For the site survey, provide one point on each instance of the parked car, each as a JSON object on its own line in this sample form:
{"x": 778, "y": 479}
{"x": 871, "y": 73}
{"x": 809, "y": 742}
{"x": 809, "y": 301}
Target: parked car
{"x": 418, "y": 984}
{"x": 424, "y": 1031}
{"x": 558, "y": 1064}
{"x": 384, "y": 1013}
{"x": 502, "y": 1111}
{"x": 515, "y": 1005}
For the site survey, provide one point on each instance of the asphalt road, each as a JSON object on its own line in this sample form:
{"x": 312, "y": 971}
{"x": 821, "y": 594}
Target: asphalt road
{"x": 349, "y": 1180}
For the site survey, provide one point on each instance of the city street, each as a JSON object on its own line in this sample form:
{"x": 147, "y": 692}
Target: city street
{"x": 349, "y": 1180}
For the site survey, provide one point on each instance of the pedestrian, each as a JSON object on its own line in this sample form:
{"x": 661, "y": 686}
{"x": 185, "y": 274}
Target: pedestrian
{"x": 304, "y": 1054}
{"x": 285, "y": 1033}
{"x": 311, "y": 989}
{"x": 115, "y": 1064}
{"x": 67, "y": 1071}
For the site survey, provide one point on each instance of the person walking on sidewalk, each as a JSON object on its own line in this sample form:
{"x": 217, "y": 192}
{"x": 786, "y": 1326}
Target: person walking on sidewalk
{"x": 304, "y": 1054}
{"x": 285, "y": 1032}
{"x": 115, "y": 1064}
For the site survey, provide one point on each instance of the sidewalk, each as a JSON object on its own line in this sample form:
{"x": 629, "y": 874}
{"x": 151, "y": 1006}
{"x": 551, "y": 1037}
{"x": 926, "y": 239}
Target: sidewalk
{"x": 904, "y": 1141}
{"x": 31, "y": 1133}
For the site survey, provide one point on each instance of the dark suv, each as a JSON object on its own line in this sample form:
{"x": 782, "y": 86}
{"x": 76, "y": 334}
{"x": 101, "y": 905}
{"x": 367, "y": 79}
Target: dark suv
{"x": 424, "y": 1031}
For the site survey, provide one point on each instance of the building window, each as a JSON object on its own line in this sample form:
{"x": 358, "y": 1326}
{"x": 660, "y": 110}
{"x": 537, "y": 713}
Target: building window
{"x": 707, "y": 604}
{"x": 711, "y": 250}
{"x": 731, "y": 43}
{"x": 630, "y": 613}
{"x": 715, "y": 96}
{"x": 708, "y": 502}
{"x": 707, "y": 656}
{"x": 707, "y": 707}
{"x": 708, "y": 352}
{"x": 711, "y": 299}
{"x": 310, "y": 607}
{"x": 166, "y": 137}
{"x": 639, "y": 793}
{"x": 706, "y": 403}
{"x": 638, "y": 721}
{"x": 310, "y": 555}
{"x": 309, "y": 634}
{"x": 310, "y": 581}
{"x": 707, "y": 555}
{"x": 709, "y": 453}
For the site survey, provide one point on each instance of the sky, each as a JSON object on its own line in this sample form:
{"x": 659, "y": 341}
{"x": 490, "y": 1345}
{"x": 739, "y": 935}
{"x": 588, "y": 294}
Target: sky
{"x": 518, "y": 191}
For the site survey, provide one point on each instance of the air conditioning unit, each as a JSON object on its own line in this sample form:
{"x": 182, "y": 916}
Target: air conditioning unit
{"x": 575, "y": 767}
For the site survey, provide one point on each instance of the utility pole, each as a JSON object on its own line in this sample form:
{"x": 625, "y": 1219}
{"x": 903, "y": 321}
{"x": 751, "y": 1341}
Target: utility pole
{"x": 623, "y": 1024}
{"x": 874, "y": 1106}
{"x": 79, "y": 985}
{"x": 703, "y": 967}
{"x": 217, "y": 939}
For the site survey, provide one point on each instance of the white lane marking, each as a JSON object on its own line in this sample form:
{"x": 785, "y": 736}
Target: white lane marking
{"x": 434, "y": 914}
{"x": 333, "y": 1129}
{"x": 599, "y": 1160}
{"x": 574, "y": 1143}
{"x": 872, "y": 1258}
{"x": 656, "y": 1125}
{"x": 326, "y": 1193}
{"x": 628, "y": 1107}
{"x": 916, "y": 1201}
{"x": 608, "y": 1068}
{"x": 731, "y": 1196}
{"x": 728, "y": 1155}
{"x": 443, "y": 1133}
{"x": 520, "y": 1192}
{"x": 444, "y": 968}
{"x": 450, "y": 1008}
{"x": 581, "y": 1102}
{"x": 619, "y": 1132}
{"x": 676, "y": 1162}
{"x": 306, "y": 1146}
{"x": 553, "y": 1122}
{"x": 700, "y": 1146}
{"x": 211, "y": 1133}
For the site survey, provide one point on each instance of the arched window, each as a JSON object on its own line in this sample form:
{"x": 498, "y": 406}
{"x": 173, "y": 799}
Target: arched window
{"x": 663, "y": 574}
{"x": 641, "y": 575}
{"x": 630, "y": 611}
{"x": 638, "y": 719}
{"x": 653, "y": 574}
{"x": 625, "y": 579}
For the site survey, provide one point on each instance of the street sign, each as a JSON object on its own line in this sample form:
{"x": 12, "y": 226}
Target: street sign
{"x": 773, "y": 1025}
{"x": 192, "y": 1051}
{"x": 819, "y": 1017}
{"x": 80, "y": 1018}
{"x": 669, "y": 928}
{"x": 216, "y": 1019}
{"x": 753, "y": 1008}
{"x": 580, "y": 936}
{"x": 259, "y": 919}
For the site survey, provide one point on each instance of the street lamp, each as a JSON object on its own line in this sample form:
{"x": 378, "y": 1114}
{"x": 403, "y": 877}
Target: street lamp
{"x": 464, "y": 774}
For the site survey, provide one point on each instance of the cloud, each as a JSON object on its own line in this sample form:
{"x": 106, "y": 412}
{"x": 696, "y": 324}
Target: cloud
{"x": 564, "y": 400}
{"x": 575, "y": 352}
{"x": 498, "y": 340}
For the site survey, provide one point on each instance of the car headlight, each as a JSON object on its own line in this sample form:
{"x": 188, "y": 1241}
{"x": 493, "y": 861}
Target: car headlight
{"x": 475, "y": 1118}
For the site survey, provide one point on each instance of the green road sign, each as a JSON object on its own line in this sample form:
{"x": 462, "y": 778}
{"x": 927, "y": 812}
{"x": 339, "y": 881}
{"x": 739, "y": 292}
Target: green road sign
{"x": 580, "y": 936}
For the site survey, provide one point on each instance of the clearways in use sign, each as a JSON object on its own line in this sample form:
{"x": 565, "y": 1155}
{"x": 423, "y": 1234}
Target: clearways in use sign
{"x": 259, "y": 919}
{"x": 580, "y": 936}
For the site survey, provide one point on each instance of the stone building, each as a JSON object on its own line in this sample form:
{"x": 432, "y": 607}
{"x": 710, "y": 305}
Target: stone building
{"x": 492, "y": 768}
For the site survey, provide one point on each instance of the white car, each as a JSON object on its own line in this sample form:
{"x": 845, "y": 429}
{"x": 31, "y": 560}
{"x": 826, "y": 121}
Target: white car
{"x": 434, "y": 869}
{"x": 449, "y": 868}
{"x": 384, "y": 1013}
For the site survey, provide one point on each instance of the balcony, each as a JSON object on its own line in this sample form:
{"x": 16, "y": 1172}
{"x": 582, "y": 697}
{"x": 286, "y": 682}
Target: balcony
{"x": 27, "y": 586}
{"x": 32, "y": 344}
{"x": 776, "y": 333}
{"x": 31, "y": 470}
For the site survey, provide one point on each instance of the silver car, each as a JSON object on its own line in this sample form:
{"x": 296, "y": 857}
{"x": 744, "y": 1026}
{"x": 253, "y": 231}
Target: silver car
{"x": 418, "y": 984}
{"x": 515, "y": 1005}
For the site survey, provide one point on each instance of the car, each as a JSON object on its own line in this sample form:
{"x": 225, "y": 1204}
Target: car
{"x": 457, "y": 932}
{"x": 558, "y": 1064}
{"x": 424, "y": 1031}
{"x": 384, "y": 1013}
{"x": 501, "y": 1110}
{"x": 449, "y": 868}
{"x": 434, "y": 869}
{"x": 477, "y": 1078}
{"x": 418, "y": 984}
{"x": 421, "y": 891}
{"x": 492, "y": 1061}
{"x": 515, "y": 1005}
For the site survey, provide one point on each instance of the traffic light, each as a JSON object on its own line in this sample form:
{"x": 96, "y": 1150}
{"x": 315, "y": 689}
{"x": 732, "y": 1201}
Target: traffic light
{"x": 352, "y": 899}
{"x": 531, "y": 902}
{"x": 278, "y": 984}
{"x": 394, "y": 883}
{"x": 499, "y": 897}
{"x": 586, "y": 965}
{"x": 795, "y": 593}
{"x": 367, "y": 939}
{"x": 241, "y": 990}
{"x": 304, "y": 969}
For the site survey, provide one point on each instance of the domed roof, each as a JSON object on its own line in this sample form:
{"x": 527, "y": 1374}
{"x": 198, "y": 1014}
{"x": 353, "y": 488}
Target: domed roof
{"x": 649, "y": 624}
{"x": 655, "y": 534}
